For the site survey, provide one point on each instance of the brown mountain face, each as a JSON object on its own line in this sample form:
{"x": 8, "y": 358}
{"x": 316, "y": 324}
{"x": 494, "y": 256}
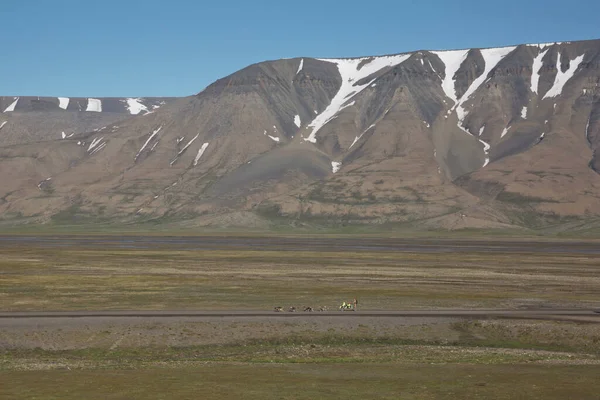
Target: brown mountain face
{"x": 481, "y": 138}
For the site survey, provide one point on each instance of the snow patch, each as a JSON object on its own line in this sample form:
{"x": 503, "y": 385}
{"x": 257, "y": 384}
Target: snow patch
{"x": 135, "y": 106}
{"x": 147, "y": 141}
{"x": 13, "y": 105}
{"x": 188, "y": 144}
{"x": 481, "y": 130}
{"x": 200, "y": 152}
{"x": 97, "y": 149}
{"x": 524, "y": 113}
{"x": 274, "y": 138}
{"x": 486, "y": 150}
{"x": 2, "y": 124}
{"x": 335, "y": 166}
{"x": 94, "y": 143}
{"x": 297, "y": 121}
{"x": 536, "y": 68}
{"x": 505, "y": 131}
{"x": 563, "y": 77}
{"x": 452, "y": 61}
{"x": 351, "y": 74}
{"x": 587, "y": 130}
{"x": 94, "y": 105}
{"x": 491, "y": 58}
{"x": 63, "y": 102}
{"x": 300, "y": 67}
{"x": 64, "y": 136}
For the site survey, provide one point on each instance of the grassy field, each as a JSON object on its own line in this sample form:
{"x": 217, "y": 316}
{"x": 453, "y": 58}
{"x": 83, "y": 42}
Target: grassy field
{"x": 35, "y": 278}
{"x": 295, "y": 359}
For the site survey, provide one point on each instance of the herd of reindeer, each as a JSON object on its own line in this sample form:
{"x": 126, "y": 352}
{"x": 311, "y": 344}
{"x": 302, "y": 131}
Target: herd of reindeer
{"x": 306, "y": 309}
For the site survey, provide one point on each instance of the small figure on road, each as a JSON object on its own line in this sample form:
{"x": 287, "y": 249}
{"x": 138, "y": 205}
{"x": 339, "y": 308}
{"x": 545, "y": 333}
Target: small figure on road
{"x": 355, "y": 303}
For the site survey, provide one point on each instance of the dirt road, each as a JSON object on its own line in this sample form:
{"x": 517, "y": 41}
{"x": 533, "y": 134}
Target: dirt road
{"x": 481, "y": 313}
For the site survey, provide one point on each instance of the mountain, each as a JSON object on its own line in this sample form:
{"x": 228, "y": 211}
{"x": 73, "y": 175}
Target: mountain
{"x": 31, "y": 119}
{"x": 478, "y": 138}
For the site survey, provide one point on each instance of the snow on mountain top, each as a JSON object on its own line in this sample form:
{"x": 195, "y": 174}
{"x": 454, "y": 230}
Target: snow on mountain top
{"x": 200, "y": 152}
{"x": 536, "y": 68}
{"x": 300, "y": 66}
{"x": 11, "y": 108}
{"x": 63, "y": 102}
{"x": 94, "y": 105}
{"x": 351, "y": 71}
{"x": 563, "y": 77}
{"x": 452, "y": 61}
{"x": 297, "y": 121}
{"x": 135, "y": 106}
{"x": 524, "y": 113}
{"x": 491, "y": 58}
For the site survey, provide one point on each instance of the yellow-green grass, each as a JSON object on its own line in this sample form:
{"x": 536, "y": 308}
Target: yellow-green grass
{"x": 309, "y": 381}
{"x": 101, "y": 279}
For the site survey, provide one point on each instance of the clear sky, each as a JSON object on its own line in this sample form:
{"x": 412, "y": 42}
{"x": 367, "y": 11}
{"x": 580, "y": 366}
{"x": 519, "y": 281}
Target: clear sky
{"x": 177, "y": 47}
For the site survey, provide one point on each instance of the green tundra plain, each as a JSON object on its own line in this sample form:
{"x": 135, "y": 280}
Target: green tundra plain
{"x": 302, "y": 357}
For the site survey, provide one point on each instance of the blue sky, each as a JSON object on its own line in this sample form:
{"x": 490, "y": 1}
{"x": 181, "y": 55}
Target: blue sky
{"x": 177, "y": 47}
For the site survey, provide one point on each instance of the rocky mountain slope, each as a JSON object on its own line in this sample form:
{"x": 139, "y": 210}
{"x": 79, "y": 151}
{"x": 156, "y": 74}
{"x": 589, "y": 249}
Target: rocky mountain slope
{"x": 484, "y": 138}
{"x": 31, "y": 119}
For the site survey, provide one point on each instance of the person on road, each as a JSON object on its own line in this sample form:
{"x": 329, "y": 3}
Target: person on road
{"x": 355, "y": 303}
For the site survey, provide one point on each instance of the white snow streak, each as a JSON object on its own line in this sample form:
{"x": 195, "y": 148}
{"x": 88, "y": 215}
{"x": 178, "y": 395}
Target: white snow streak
{"x": 491, "y": 58}
{"x": 357, "y": 138}
{"x": 94, "y": 105}
{"x": 134, "y": 106}
{"x": 147, "y": 141}
{"x": 63, "y": 102}
{"x": 188, "y": 144}
{"x": 64, "y": 136}
{"x": 11, "y": 108}
{"x": 95, "y": 143}
{"x": 452, "y": 61}
{"x": 274, "y": 138}
{"x": 587, "y": 129}
{"x": 524, "y": 113}
{"x": 297, "y": 121}
{"x": 536, "y": 68}
{"x": 97, "y": 149}
{"x": 200, "y": 152}
{"x": 486, "y": 150}
{"x": 563, "y": 77}
{"x": 300, "y": 66}
{"x": 504, "y": 132}
{"x": 2, "y": 124}
{"x": 348, "y": 69}
{"x": 481, "y": 130}
{"x": 335, "y": 166}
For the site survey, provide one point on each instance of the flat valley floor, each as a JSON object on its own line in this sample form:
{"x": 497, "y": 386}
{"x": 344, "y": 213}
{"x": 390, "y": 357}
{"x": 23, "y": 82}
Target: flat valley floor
{"x": 192, "y": 317}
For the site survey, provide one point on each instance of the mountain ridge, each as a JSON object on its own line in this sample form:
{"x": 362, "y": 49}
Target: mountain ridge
{"x": 422, "y": 138}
